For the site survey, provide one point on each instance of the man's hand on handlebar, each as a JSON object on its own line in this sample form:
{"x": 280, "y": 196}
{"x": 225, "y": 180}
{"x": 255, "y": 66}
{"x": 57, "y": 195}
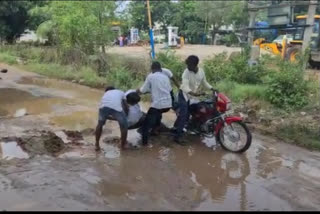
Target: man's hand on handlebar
{"x": 197, "y": 94}
{"x": 215, "y": 91}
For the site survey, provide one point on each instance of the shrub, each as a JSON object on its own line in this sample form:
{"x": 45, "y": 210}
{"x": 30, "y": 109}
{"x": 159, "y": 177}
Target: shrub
{"x": 122, "y": 78}
{"x": 169, "y": 60}
{"x": 241, "y": 72}
{"x": 236, "y": 69}
{"x": 217, "y": 68}
{"x": 287, "y": 87}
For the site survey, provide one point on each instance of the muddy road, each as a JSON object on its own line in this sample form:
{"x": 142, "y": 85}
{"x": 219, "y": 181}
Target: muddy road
{"x": 48, "y": 162}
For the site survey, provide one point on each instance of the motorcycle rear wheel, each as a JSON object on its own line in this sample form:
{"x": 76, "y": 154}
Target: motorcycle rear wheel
{"x": 229, "y": 137}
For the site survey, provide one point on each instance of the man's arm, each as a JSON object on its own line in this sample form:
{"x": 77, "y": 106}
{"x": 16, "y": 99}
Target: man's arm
{"x": 125, "y": 107}
{"x": 169, "y": 73}
{"x": 145, "y": 87}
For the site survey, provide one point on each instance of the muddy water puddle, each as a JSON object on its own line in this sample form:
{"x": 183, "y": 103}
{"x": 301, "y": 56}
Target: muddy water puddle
{"x": 77, "y": 91}
{"x": 77, "y": 120}
{"x": 10, "y": 150}
{"x": 14, "y": 101}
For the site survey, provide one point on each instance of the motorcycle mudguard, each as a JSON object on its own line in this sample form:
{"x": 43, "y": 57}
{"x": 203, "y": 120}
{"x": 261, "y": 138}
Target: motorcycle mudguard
{"x": 228, "y": 120}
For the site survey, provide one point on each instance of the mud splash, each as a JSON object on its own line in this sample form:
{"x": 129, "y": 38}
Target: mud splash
{"x": 45, "y": 143}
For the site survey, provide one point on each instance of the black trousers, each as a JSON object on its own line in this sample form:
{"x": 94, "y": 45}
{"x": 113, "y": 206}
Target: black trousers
{"x": 152, "y": 120}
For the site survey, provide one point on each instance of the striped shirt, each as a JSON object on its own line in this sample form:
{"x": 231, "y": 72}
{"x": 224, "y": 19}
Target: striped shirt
{"x": 160, "y": 88}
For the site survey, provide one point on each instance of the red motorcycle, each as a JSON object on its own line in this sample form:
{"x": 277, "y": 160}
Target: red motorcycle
{"x": 210, "y": 119}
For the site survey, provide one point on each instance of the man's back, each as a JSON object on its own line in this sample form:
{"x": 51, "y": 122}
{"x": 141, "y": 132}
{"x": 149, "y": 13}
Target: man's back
{"x": 160, "y": 88}
{"x": 113, "y": 99}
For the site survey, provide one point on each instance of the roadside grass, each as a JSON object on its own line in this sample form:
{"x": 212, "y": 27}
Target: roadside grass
{"x": 300, "y": 134}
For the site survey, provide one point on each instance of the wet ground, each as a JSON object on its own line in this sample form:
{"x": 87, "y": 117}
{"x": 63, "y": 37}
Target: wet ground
{"x": 48, "y": 161}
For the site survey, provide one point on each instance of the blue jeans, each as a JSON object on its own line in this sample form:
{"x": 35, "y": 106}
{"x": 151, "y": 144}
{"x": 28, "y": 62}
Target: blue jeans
{"x": 183, "y": 116}
{"x": 105, "y": 113}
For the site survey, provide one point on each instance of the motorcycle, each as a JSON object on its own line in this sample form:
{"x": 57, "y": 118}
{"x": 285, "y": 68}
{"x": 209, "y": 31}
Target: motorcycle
{"x": 210, "y": 119}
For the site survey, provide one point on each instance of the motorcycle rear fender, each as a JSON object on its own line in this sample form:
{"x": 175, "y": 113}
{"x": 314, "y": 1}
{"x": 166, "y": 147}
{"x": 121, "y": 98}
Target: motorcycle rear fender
{"x": 228, "y": 120}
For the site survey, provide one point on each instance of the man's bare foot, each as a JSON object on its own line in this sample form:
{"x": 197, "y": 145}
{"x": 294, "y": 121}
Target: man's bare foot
{"x": 98, "y": 149}
{"x": 125, "y": 147}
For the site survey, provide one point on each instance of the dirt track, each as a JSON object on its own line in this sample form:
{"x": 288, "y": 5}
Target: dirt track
{"x": 269, "y": 176}
{"x": 202, "y": 51}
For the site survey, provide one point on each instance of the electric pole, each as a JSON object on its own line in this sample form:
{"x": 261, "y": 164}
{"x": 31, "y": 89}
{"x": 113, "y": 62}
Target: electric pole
{"x": 150, "y": 31}
{"x": 310, "y": 22}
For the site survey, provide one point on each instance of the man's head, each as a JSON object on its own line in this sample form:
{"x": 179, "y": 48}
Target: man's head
{"x": 155, "y": 66}
{"x": 109, "y": 88}
{"x": 133, "y": 98}
{"x": 192, "y": 63}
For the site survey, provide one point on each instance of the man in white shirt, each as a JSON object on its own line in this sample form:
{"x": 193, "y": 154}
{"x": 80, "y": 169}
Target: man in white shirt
{"x": 114, "y": 105}
{"x": 192, "y": 78}
{"x": 159, "y": 85}
{"x": 135, "y": 116}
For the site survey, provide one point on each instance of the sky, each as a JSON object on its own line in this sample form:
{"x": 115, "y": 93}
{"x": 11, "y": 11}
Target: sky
{"x": 122, "y": 6}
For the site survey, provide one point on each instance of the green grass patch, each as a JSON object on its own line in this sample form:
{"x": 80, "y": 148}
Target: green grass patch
{"x": 240, "y": 92}
{"x": 301, "y": 135}
{"x": 7, "y": 58}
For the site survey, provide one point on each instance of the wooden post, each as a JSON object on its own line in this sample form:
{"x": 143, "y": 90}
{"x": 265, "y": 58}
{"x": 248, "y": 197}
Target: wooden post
{"x": 149, "y": 14}
{"x": 310, "y": 21}
{"x": 150, "y": 31}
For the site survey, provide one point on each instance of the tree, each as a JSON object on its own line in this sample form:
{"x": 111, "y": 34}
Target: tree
{"x": 218, "y": 13}
{"x": 82, "y": 25}
{"x": 190, "y": 25}
{"x": 138, "y": 18}
{"x": 212, "y": 13}
{"x": 180, "y": 14}
{"x": 15, "y": 19}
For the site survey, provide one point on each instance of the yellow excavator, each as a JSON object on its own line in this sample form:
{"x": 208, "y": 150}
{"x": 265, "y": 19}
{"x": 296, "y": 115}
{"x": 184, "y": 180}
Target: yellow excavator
{"x": 291, "y": 49}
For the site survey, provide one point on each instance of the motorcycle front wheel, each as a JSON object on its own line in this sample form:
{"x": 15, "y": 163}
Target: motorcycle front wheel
{"x": 235, "y": 137}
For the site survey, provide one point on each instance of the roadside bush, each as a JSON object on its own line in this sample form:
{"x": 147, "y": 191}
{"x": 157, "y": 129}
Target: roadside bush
{"x": 122, "y": 78}
{"x": 241, "y": 72}
{"x": 169, "y": 60}
{"x": 235, "y": 69}
{"x": 287, "y": 87}
{"x": 217, "y": 68}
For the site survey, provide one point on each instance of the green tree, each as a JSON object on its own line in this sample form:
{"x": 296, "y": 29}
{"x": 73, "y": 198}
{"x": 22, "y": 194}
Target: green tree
{"x": 15, "y": 19}
{"x": 181, "y": 14}
{"x": 190, "y": 25}
{"x": 218, "y": 13}
{"x": 82, "y": 25}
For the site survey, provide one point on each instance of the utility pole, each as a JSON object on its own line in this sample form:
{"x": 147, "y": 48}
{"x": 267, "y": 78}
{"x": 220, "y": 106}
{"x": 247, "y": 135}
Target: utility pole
{"x": 252, "y": 17}
{"x": 150, "y": 31}
{"x": 310, "y": 22}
